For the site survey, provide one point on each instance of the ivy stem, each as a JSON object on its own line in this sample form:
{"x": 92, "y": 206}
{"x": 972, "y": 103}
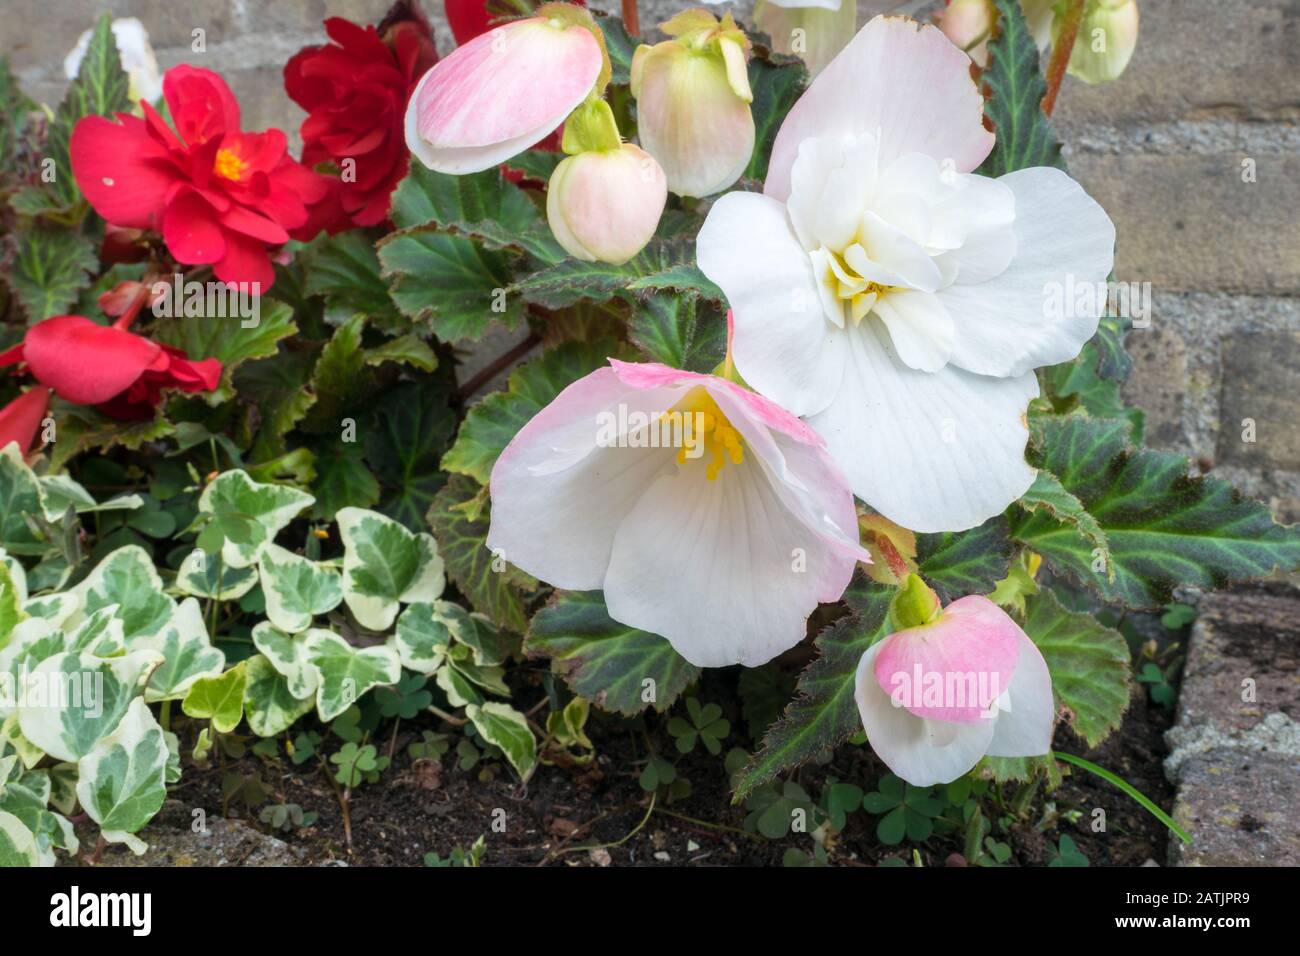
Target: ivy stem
{"x": 1062, "y": 48}
{"x": 631, "y": 18}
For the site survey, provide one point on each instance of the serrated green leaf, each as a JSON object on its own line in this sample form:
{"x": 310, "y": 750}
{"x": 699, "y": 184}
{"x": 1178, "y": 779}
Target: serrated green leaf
{"x": 1089, "y": 663}
{"x": 665, "y": 265}
{"x": 681, "y": 331}
{"x": 1048, "y": 495}
{"x": 296, "y": 588}
{"x": 777, "y": 82}
{"x": 81, "y": 428}
{"x": 404, "y": 442}
{"x": 824, "y": 713}
{"x": 226, "y": 339}
{"x": 604, "y": 661}
{"x": 342, "y": 478}
{"x": 50, "y": 269}
{"x": 958, "y": 563}
{"x": 344, "y": 269}
{"x": 1014, "y": 89}
{"x": 1164, "y": 528}
{"x": 492, "y": 585}
{"x": 385, "y": 565}
{"x": 506, "y": 728}
{"x": 345, "y": 673}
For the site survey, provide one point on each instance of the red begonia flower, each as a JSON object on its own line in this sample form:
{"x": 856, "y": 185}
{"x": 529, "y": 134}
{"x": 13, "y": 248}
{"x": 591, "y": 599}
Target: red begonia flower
{"x": 119, "y": 372}
{"x": 21, "y": 419}
{"x": 217, "y": 195}
{"x": 355, "y": 90}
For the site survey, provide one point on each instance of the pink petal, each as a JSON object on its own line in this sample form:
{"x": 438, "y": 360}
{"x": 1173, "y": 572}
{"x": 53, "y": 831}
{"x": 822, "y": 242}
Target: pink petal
{"x": 955, "y": 668}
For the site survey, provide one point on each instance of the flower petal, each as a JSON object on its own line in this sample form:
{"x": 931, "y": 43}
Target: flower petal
{"x": 713, "y": 566}
{"x": 191, "y": 230}
{"x": 121, "y": 170}
{"x": 955, "y": 668}
{"x": 923, "y": 752}
{"x": 558, "y": 496}
{"x": 1064, "y": 242}
{"x": 919, "y": 328}
{"x": 20, "y": 420}
{"x": 904, "y": 78}
{"x": 783, "y": 344}
{"x": 1025, "y": 718}
{"x": 499, "y": 94}
{"x": 932, "y": 451}
{"x": 84, "y": 362}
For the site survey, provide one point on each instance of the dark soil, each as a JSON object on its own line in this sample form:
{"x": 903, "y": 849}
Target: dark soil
{"x": 418, "y": 807}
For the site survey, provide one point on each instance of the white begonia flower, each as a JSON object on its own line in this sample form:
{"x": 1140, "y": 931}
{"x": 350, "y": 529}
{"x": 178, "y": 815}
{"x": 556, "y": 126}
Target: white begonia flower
{"x": 893, "y": 298}
{"x": 136, "y": 54}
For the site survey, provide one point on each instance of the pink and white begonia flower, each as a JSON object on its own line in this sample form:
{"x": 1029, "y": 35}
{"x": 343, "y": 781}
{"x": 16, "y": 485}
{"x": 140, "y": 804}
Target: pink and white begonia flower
{"x": 937, "y": 697}
{"x": 503, "y": 92}
{"x": 896, "y": 300}
{"x": 706, "y": 513}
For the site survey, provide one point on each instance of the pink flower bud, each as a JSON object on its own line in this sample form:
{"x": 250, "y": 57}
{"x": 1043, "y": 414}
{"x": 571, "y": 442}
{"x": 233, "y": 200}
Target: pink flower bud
{"x": 504, "y": 91}
{"x": 968, "y": 23}
{"x": 605, "y": 204}
{"x": 1106, "y": 40}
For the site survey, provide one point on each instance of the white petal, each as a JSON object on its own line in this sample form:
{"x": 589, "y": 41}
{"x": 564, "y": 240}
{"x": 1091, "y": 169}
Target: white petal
{"x": 558, "y": 496}
{"x": 1024, "y": 724}
{"x": 710, "y": 566}
{"x": 922, "y": 752}
{"x": 895, "y": 251}
{"x": 1064, "y": 242}
{"x": 932, "y": 451}
{"x": 782, "y": 344}
{"x": 903, "y": 78}
{"x": 919, "y": 328}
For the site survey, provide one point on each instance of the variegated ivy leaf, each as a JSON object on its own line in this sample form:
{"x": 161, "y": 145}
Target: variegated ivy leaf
{"x": 59, "y": 492}
{"x": 55, "y": 608}
{"x": 502, "y": 725}
{"x": 11, "y": 738}
{"x": 346, "y": 672}
{"x": 219, "y": 699}
{"x": 271, "y": 706}
{"x": 120, "y": 780}
{"x": 100, "y": 634}
{"x": 296, "y": 589}
{"x": 31, "y": 642}
{"x": 27, "y": 799}
{"x": 70, "y": 701}
{"x": 63, "y": 787}
{"x": 288, "y": 654}
{"x": 17, "y": 843}
{"x": 13, "y": 583}
{"x": 173, "y": 772}
{"x": 250, "y": 514}
{"x": 127, "y": 578}
{"x": 187, "y": 654}
{"x": 384, "y": 565}
{"x": 424, "y": 633}
{"x": 490, "y": 645}
{"x": 460, "y": 692}
{"x": 203, "y": 575}
{"x": 20, "y": 499}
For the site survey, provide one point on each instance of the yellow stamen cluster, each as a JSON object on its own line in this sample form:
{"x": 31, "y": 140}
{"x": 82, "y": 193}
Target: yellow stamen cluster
{"x": 859, "y": 292}
{"x": 228, "y": 165}
{"x": 720, "y": 439}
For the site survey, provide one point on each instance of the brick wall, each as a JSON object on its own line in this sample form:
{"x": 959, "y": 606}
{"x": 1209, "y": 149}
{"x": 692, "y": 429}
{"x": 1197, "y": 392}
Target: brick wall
{"x": 1213, "y": 83}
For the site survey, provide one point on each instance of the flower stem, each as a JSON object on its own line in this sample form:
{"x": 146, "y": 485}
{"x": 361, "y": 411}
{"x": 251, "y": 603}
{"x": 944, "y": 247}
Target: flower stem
{"x": 631, "y": 18}
{"x": 1061, "y": 50}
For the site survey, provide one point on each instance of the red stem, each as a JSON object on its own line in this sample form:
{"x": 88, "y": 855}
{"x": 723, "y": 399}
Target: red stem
{"x": 489, "y": 371}
{"x": 631, "y": 18}
{"x": 126, "y": 318}
{"x": 1061, "y": 50}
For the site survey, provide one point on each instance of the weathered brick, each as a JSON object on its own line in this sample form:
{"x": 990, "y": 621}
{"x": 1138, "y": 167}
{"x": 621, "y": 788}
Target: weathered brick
{"x": 1189, "y": 222}
{"x": 1261, "y": 382}
{"x": 1158, "y": 382}
{"x": 1201, "y": 59}
{"x": 1240, "y": 810}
